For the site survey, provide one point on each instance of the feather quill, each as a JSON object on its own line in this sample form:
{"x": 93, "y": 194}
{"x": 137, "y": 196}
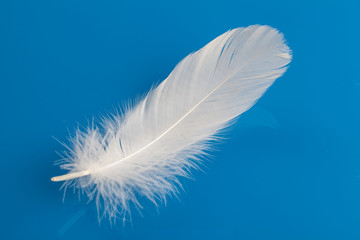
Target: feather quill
{"x": 143, "y": 152}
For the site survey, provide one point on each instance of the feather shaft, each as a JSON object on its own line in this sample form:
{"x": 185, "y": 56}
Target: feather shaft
{"x": 70, "y": 176}
{"x": 87, "y": 172}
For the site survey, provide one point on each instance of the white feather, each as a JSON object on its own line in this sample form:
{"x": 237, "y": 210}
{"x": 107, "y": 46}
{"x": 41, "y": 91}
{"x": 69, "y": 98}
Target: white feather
{"x": 144, "y": 151}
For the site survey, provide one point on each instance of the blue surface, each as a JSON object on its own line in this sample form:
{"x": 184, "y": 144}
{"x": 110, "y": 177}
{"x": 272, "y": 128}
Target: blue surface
{"x": 289, "y": 170}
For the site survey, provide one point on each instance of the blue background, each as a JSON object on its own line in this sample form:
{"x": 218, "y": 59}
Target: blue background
{"x": 289, "y": 170}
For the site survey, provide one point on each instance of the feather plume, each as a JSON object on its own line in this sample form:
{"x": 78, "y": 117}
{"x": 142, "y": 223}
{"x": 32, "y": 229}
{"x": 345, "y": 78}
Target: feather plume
{"x": 143, "y": 152}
